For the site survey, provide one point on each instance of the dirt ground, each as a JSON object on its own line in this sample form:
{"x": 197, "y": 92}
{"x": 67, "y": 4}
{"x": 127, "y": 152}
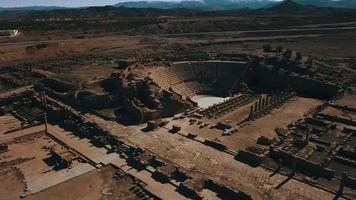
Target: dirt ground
{"x": 120, "y": 45}
{"x": 8, "y": 123}
{"x": 44, "y": 181}
{"x": 199, "y": 158}
{"x": 349, "y": 100}
{"x": 247, "y": 135}
{"x": 265, "y": 126}
{"x": 337, "y": 45}
{"x": 105, "y": 44}
{"x": 37, "y": 154}
{"x": 11, "y": 186}
{"x": 96, "y": 185}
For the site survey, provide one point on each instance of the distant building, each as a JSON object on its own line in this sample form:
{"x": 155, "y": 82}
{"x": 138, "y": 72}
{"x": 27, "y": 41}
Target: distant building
{"x": 9, "y": 33}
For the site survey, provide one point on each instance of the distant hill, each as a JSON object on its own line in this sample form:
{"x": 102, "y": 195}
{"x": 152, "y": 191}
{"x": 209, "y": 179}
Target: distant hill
{"x": 207, "y": 5}
{"x": 232, "y": 4}
{"x": 32, "y": 8}
{"x": 329, "y": 3}
{"x": 291, "y": 7}
{"x": 204, "y": 5}
{"x": 155, "y": 20}
{"x": 288, "y": 6}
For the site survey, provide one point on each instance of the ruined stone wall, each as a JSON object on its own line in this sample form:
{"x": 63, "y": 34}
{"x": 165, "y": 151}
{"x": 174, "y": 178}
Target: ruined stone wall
{"x": 338, "y": 119}
{"x": 249, "y": 157}
{"x": 170, "y": 108}
{"x": 302, "y": 165}
{"x": 273, "y": 77}
{"x": 135, "y": 111}
{"x": 58, "y": 86}
{"x": 14, "y": 98}
{"x": 96, "y": 101}
{"x": 308, "y": 86}
{"x": 226, "y": 192}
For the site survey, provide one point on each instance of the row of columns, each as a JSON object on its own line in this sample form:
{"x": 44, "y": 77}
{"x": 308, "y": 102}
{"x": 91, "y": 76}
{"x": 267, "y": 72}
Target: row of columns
{"x": 263, "y": 102}
{"x": 44, "y": 103}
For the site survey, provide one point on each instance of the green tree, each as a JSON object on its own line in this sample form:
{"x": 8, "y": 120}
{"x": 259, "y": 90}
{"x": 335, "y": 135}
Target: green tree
{"x": 287, "y": 54}
{"x": 266, "y": 48}
{"x": 298, "y": 57}
{"x": 279, "y": 50}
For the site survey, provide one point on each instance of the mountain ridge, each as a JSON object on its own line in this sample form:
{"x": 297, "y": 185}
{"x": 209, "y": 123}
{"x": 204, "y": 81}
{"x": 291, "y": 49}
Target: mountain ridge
{"x": 33, "y": 8}
{"x": 232, "y": 4}
{"x": 204, "y": 5}
{"x": 210, "y": 5}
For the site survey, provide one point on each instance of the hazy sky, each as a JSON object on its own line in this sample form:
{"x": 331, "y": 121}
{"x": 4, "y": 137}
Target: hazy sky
{"x": 66, "y": 3}
{"x": 69, "y": 3}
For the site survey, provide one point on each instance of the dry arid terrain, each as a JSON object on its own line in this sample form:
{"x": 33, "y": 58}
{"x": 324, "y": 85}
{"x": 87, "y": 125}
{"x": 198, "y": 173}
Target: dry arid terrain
{"x": 141, "y": 103}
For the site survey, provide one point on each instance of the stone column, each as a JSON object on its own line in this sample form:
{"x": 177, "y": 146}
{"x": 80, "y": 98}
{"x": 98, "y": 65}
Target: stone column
{"x": 279, "y": 164}
{"x": 269, "y": 100}
{"x": 294, "y": 166}
{"x": 260, "y": 103}
{"x": 45, "y": 99}
{"x": 251, "y": 111}
{"x": 45, "y": 121}
{"x": 341, "y": 187}
{"x": 256, "y": 106}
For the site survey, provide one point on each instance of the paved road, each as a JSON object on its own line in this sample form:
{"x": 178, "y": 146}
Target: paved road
{"x": 14, "y": 91}
{"x": 260, "y": 31}
{"x": 289, "y": 31}
{"x": 323, "y": 25}
{"x": 245, "y": 39}
{"x": 100, "y": 155}
{"x": 329, "y": 66}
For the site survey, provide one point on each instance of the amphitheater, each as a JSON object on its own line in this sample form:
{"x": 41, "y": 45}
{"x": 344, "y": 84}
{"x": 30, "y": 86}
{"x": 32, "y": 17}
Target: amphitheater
{"x": 202, "y": 82}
